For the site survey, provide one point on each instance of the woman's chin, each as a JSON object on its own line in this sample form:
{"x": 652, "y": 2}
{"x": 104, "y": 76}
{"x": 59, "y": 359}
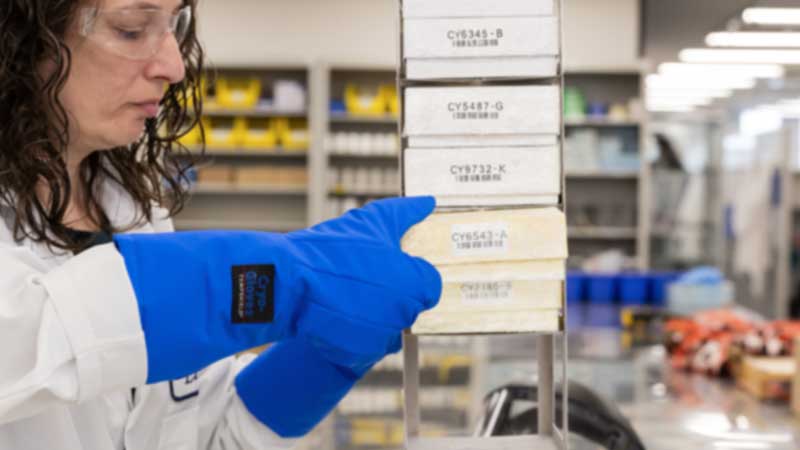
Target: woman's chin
{"x": 131, "y": 134}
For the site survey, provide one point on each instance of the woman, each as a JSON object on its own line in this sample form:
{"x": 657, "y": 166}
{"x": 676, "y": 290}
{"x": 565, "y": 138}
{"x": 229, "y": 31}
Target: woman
{"x": 117, "y": 333}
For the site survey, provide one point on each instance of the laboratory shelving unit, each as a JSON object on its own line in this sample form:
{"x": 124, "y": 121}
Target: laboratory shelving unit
{"x": 361, "y": 143}
{"x": 266, "y": 206}
{"x": 609, "y": 207}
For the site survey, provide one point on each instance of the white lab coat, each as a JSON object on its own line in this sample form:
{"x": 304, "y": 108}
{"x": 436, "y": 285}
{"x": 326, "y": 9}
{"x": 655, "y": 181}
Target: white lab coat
{"x": 72, "y": 348}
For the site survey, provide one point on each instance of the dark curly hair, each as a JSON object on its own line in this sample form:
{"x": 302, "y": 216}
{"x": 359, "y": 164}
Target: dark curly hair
{"x": 153, "y": 170}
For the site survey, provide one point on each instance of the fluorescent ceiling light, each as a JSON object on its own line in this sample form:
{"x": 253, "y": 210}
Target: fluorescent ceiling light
{"x": 661, "y": 81}
{"x": 792, "y": 111}
{"x": 772, "y": 16}
{"x": 734, "y": 70}
{"x": 719, "y": 55}
{"x": 753, "y": 39}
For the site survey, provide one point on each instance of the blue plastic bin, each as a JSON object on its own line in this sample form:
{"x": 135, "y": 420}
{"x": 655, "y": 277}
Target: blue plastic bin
{"x": 576, "y": 316}
{"x": 658, "y": 286}
{"x": 576, "y": 287}
{"x": 602, "y": 289}
{"x": 602, "y": 316}
{"x": 338, "y": 107}
{"x": 633, "y": 289}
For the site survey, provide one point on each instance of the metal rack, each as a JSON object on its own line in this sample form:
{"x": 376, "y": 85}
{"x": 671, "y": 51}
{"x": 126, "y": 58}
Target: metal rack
{"x": 549, "y": 435}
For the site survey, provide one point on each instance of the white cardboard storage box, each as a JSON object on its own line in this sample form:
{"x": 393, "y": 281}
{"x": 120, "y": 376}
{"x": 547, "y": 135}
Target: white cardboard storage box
{"x": 480, "y": 47}
{"x": 482, "y": 116}
{"x": 477, "y": 8}
{"x": 484, "y": 176}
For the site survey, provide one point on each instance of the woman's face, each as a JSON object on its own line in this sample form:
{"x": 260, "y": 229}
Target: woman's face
{"x": 111, "y": 90}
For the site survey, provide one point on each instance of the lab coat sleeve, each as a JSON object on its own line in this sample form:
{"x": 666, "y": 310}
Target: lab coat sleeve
{"x": 67, "y": 334}
{"x": 225, "y": 422}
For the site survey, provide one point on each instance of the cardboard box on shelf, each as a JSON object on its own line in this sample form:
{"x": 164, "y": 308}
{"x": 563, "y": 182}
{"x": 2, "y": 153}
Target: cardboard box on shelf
{"x": 477, "y": 8}
{"x": 276, "y": 176}
{"x": 215, "y": 175}
{"x": 767, "y": 378}
{"x": 485, "y": 176}
{"x": 481, "y": 47}
{"x": 507, "y": 115}
{"x": 260, "y": 175}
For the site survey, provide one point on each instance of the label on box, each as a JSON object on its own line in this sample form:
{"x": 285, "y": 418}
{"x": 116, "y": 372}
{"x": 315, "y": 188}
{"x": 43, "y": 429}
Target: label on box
{"x": 509, "y": 110}
{"x": 478, "y": 173}
{"x": 480, "y": 239}
{"x": 484, "y": 37}
{"x": 491, "y": 292}
{"x": 477, "y": 8}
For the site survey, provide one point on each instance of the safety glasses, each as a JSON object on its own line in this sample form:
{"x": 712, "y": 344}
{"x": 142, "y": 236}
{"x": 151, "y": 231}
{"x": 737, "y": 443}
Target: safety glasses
{"x": 134, "y": 33}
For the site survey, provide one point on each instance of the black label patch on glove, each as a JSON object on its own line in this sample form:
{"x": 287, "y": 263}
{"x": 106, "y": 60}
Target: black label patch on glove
{"x": 253, "y": 294}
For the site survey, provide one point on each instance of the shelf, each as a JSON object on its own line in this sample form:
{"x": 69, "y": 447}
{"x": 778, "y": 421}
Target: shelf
{"x": 254, "y": 153}
{"x": 349, "y": 118}
{"x": 204, "y": 224}
{"x": 252, "y": 112}
{"x": 601, "y": 123}
{"x": 603, "y": 175}
{"x": 223, "y": 189}
{"x": 605, "y": 233}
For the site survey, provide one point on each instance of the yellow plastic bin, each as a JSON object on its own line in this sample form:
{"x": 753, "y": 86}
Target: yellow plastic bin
{"x": 362, "y": 102}
{"x": 238, "y": 92}
{"x": 293, "y": 134}
{"x": 261, "y": 134}
{"x": 392, "y": 100}
{"x": 226, "y": 133}
{"x": 192, "y": 138}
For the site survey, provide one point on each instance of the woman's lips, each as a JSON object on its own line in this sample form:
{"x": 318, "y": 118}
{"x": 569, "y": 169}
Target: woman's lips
{"x": 149, "y": 108}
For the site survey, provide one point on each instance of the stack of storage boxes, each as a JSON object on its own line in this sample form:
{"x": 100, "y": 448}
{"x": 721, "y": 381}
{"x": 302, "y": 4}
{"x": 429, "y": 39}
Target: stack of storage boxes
{"x": 481, "y": 128}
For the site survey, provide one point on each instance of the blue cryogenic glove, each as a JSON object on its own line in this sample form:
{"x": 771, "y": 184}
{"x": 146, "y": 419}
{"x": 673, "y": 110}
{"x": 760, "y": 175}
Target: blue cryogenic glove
{"x": 206, "y": 295}
{"x": 293, "y": 385}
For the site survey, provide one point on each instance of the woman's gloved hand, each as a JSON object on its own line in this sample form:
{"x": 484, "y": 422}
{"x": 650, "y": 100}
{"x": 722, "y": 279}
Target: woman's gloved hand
{"x": 293, "y": 385}
{"x": 344, "y": 286}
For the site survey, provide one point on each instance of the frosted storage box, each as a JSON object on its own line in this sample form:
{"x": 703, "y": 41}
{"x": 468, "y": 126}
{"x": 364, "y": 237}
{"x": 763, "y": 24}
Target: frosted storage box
{"x": 482, "y": 116}
{"x": 484, "y": 176}
{"x": 499, "y": 47}
{"x": 489, "y": 236}
{"x": 508, "y": 297}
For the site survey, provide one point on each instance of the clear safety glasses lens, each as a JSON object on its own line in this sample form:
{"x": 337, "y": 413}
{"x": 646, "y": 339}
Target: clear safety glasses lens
{"x": 135, "y": 33}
